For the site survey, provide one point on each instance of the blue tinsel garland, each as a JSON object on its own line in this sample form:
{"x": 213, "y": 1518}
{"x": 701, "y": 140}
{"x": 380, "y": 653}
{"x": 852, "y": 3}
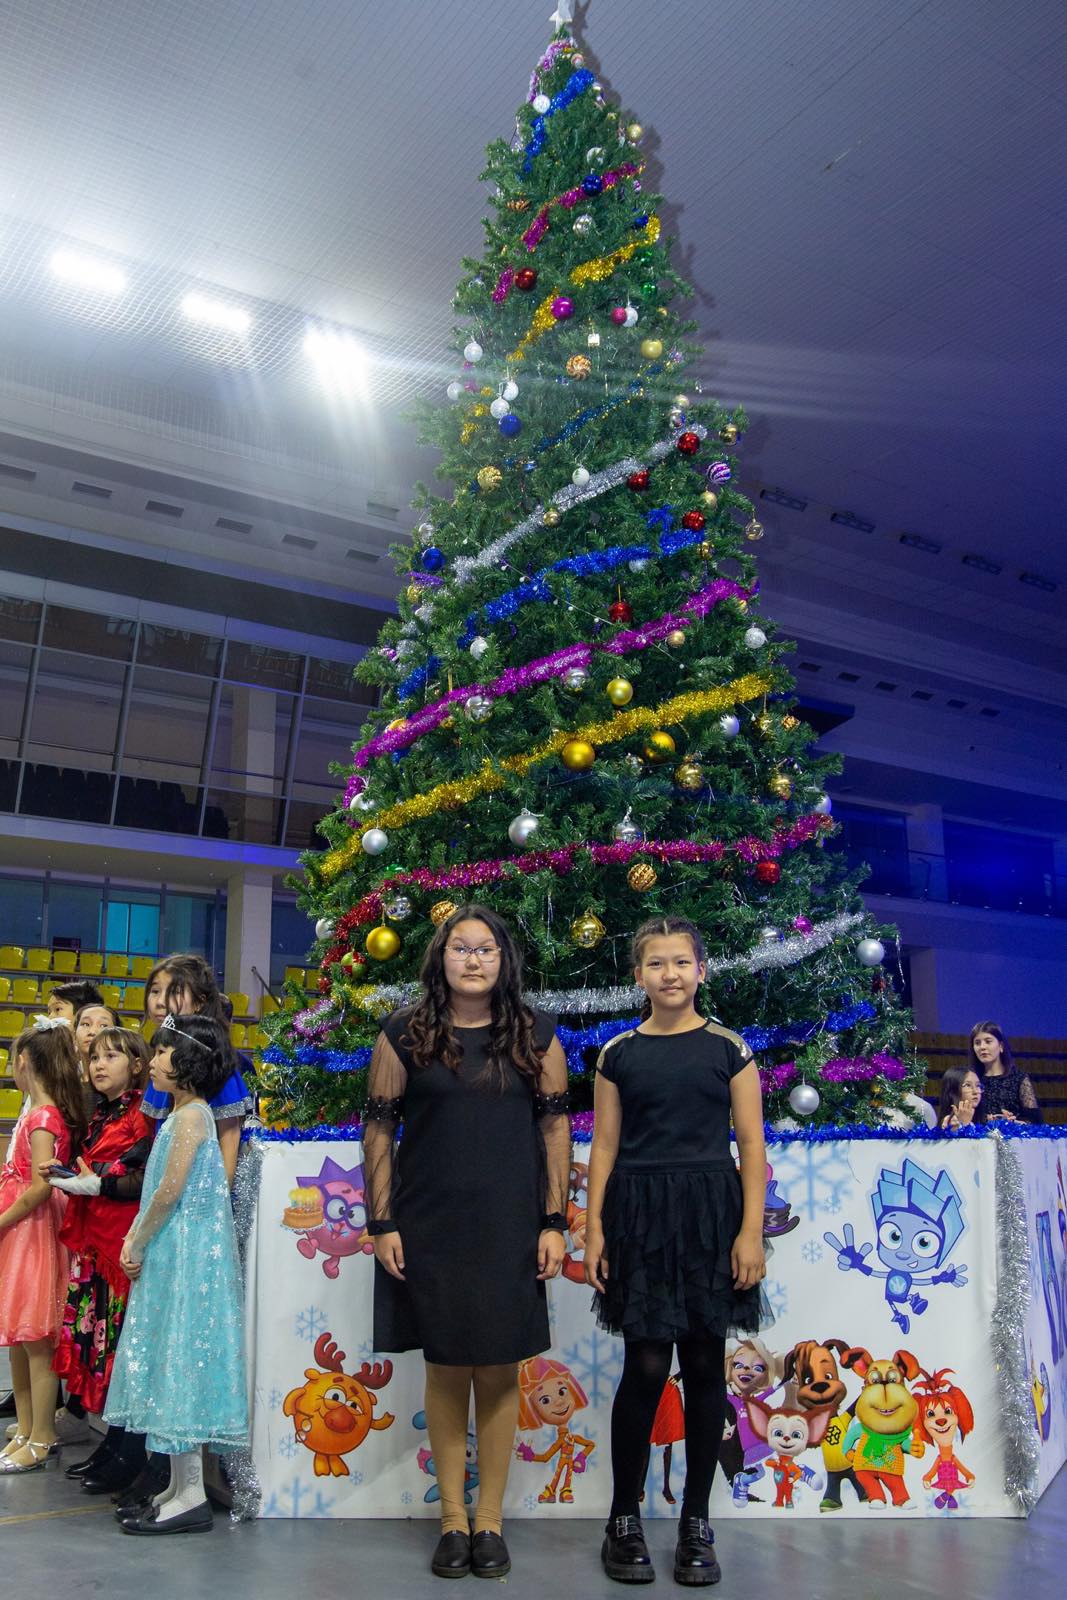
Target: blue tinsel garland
{"x": 575, "y": 85}
{"x": 334, "y": 1132}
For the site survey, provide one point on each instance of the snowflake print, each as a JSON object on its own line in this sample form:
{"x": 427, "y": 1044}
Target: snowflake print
{"x": 288, "y": 1446}
{"x": 275, "y": 1398}
{"x": 355, "y": 1478}
{"x": 296, "y": 1499}
{"x": 812, "y": 1251}
{"x": 310, "y": 1323}
{"x": 406, "y": 1497}
{"x": 777, "y": 1297}
{"x": 596, "y": 1361}
{"x": 816, "y": 1177}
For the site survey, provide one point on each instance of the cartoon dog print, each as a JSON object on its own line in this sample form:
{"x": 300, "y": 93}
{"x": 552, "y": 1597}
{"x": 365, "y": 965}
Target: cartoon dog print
{"x": 751, "y": 1371}
{"x": 813, "y": 1380}
{"x": 881, "y": 1433}
{"x": 333, "y": 1412}
{"x": 788, "y": 1431}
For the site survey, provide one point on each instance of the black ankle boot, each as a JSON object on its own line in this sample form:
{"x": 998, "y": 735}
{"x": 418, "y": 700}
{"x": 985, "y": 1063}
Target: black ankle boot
{"x": 695, "y": 1561}
{"x": 91, "y": 1464}
{"x": 624, "y": 1552}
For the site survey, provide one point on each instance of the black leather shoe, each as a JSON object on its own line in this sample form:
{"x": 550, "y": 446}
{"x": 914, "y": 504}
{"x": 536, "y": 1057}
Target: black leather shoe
{"x": 489, "y": 1555}
{"x": 624, "y": 1552}
{"x": 695, "y": 1561}
{"x": 111, "y": 1475}
{"x": 137, "y": 1495}
{"x": 92, "y": 1464}
{"x": 198, "y": 1519}
{"x": 452, "y": 1557}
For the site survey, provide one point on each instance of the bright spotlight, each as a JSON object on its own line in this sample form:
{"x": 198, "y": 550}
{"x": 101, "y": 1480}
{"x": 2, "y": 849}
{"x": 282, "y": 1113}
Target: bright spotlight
{"x": 198, "y": 308}
{"x": 340, "y": 360}
{"x": 88, "y": 272}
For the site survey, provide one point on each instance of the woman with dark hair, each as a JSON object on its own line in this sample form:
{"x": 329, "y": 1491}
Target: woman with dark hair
{"x": 468, "y": 1214}
{"x": 961, "y": 1098}
{"x": 1007, "y": 1092}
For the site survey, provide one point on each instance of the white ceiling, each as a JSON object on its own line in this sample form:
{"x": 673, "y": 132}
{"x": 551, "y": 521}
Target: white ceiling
{"x": 870, "y": 197}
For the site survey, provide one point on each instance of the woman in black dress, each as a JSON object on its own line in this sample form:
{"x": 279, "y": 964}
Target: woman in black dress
{"x": 467, "y": 1214}
{"x": 1007, "y": 1093}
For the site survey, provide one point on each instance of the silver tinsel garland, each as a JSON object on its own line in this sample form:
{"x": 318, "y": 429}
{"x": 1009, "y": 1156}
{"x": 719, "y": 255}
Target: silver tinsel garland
{"x": 1021, "y": 1448}
{"x": 238, "y": 1465}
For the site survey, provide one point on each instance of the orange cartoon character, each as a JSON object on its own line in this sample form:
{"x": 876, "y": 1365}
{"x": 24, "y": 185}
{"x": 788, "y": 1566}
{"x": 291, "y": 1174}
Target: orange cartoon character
{"x": 883, "y": 1433}
{"x": 549, "y": 1395}
{"x": 334, "y": 1411}
{"x": 944, "y": 1412}
{"x": 573, "y": 1264}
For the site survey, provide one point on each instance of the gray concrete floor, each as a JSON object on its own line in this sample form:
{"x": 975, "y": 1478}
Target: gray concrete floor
{"x": 54, "y": 1540}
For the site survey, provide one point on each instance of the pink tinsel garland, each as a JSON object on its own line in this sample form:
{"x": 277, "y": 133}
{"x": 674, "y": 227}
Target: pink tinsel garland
{"x": 841, "y": 1069}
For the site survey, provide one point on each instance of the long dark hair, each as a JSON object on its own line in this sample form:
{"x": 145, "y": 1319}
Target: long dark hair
{"x": 952, "y": 1083}
{"x": 53, "y": 1059}
{"x": 192, "y": 974}
{"x": 429, "y": 1034}
{"x": 666, "y": 928}
{"x": 997, "y": 1032}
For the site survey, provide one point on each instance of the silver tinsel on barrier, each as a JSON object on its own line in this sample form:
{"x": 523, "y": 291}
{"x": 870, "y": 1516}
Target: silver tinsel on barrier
{"x": 1021, "y": 1448}
{"x": 240, "y": 1469}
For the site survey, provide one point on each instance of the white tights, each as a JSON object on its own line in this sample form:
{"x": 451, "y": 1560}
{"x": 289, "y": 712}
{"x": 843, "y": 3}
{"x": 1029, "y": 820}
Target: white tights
{"x": 185, "y": 1491}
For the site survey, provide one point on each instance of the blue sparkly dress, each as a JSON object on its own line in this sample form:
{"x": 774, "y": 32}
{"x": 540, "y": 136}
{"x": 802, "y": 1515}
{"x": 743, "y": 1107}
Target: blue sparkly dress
{"x": 233, "y": 1099}
{"x": 179, "y": 1373}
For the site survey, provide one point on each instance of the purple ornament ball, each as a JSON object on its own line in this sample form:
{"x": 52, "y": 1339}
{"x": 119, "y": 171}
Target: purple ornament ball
{"x": 562, "y": 308}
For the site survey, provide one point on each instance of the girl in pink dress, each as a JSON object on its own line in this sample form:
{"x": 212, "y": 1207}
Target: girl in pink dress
{"x": 33, "y": 1263}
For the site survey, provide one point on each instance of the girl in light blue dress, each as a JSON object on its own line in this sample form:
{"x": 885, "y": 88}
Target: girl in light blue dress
{"x": 179, "y": 1374}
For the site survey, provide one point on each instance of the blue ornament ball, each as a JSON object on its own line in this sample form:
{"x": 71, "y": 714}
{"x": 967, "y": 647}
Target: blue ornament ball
{"x": 432, "y": 558}
{"x": 641, "y": 220}
{"x": 510, "y": 425}
{"x": 593, "y": 184}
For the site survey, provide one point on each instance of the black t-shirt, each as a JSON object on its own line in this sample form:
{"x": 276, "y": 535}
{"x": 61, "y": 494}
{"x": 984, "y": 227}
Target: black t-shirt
{"x": 675, "y": 1093}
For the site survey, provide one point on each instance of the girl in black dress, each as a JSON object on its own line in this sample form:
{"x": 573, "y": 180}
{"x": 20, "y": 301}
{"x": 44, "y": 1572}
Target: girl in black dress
{"x": 1007, "y": 1093}
{"x": 468, "y": 1215}
{"x": 674, "y": 1241}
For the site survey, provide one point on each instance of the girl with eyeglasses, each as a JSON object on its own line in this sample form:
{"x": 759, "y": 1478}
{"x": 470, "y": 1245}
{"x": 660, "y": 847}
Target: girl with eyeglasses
{"x": 467, "y": 1212}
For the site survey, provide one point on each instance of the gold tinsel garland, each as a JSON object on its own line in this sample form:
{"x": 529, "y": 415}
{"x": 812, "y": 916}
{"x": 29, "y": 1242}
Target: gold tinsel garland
{"x": 594, "y": 271}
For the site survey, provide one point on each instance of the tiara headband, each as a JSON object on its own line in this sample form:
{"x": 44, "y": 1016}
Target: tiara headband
{"x": 168, "y": 1026}
{"x": 45, "y": 1024}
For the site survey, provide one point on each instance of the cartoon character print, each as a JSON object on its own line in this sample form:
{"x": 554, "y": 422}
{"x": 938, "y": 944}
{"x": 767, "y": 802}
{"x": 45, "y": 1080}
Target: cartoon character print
{"x": 549, "y": 1396}
{"x": 668, "y": 1429}
{"x": 813, "y": 1380}
{"x": 426, "y": 1464}
{"x": 778, "y": 1219}
{"x": 1050, "y": 1286}
{"x": 573, "y": 1267}
{"x": 341, "y": 1228}
{"x": 751, "y": 1371}
{"x": 333, "y": 1412}
{"x": 919, "y": 1220}
{"x": 788, "y": 1432}
{"x": 882, "y": 1433}
{"x": 944, "y": 1412}
{"x": 1040, "y": 1398}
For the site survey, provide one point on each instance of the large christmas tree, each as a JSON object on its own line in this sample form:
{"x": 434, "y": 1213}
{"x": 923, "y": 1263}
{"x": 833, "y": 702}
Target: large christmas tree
{"x": 585, "y": 719}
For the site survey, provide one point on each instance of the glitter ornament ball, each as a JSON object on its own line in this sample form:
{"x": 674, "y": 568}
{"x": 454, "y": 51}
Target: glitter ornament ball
{"x": 479, "y": 708}
{"x": 620, "y": 691}
{"x": 580, "y": 477}
{"x": 540, "y": 103}
{"x": 383, "y": 944}
{"x": 510, "y": 391}
{"x": 780, "y": 786}
{"x": 659, "y": 746}
{"x": 689, "y": 776}
{"x": 767, "y": 872}
{"x": 432, "y": 559}
{"x": 729, "y": 725}
{"x": 651, "y": 349}
{"x": 575, "y": 678}
{"x": 592, "y": 183}
{"x": 627, "y": 831}
{"x": 526, "y": 279}
{"x": 804, "y": 1099}
{"x": 582, "y": 224}
{"x": 441, "y": 910}
{"x": 454, "y": 390}
{"x": 641, "y": 877}
{"x": 618, "y": 316}
{"x": 562, "y": 307}
{"x": 755, "y": 638}
{"x": 870, "y": 952}
{"x": 638, "y": 480}
{"x": 579, "y": 367}
{"x": 478, "y": 646}
{"x": 587, "y": 931}
{"x": 578, "y": 755}
{"x": 397, "y": 906}
{"x": 728, "y": 434}
{"x": 620, "y": 611}
{"x": 522, "y": 828}
{"x": 753, "y": 530}
{"x": 489, "y": 479}
{"x": 550, "y": 516}
{"x": 689, "y": 443}
{"x": 324, "y": 928}
{"x": 472, "y": 351}
{"x": 374, "y": 841}
{"x": 499, "y": 408}
{"x": 705, "y": 550}
{"x": 694, "y": 521}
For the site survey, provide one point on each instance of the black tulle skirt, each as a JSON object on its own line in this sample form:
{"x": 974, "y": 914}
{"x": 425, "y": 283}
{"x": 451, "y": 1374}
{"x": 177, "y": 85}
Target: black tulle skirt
{"x": 668, "y": 1233}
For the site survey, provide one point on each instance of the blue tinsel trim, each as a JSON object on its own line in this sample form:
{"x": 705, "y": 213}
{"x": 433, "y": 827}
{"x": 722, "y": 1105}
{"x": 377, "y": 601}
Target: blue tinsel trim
{"x": 332, "y": 1132}
{"x": 575, "y": 85}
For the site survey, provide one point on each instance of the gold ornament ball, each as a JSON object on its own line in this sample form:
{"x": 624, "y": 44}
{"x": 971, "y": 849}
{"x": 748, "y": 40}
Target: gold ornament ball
{"x": 710, "y": 499}
{"x": 753, "y": 529}
{"x": 705, "y": 550}
{"x": 634, "y": 131}
{"x": 440, "y": 911}
{"x": 789, "y": 722}
{"x": 587, "y": 931}
{"x": 413, "y": 594}
{"x": 397, "y": 722}
{"x": 550, "y": 517}
{"x": 781, "y": 786}
{"x": 641, "y": 877}
{"x": 765, "y": 723}
{"x": 489, "y": 478}
{"x": 676, "y": 638}
{"x": 728, "y": 434}
{"x": 690, "y": 775}
{"x": 651, "y": 349}
{"x": 742, "y": 606}
{"x": 479, "y": 410}
{"x": 579, "y": 367}
{"x": 383, "y": 944}
{"x": 659, "y": 747}
{"x": 620, "y": 691}
{"x": 578, "y": 755}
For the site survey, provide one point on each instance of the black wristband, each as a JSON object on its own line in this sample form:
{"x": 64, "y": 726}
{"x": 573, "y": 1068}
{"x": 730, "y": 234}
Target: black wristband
{"x": 387, "y": 1225}
{"x": 554, "y": 1221}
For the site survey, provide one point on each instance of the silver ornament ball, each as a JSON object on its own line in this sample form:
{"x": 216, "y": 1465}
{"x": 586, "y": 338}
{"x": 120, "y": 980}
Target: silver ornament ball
{"x": 324, "y": 928}
{"x": 575, "y": 678}
{"x": 454, "y": 390}
{"x": 870, "y": 952}
{"x": 398, "y": 907}
{"x": 522, "y": 828}
{"x": 479, "y": 707}
{"x": 580, "y": 477}
{"x": 362, "y": 802}
{"x": 755, "y": 638}
{"x": 472, "y": 351}
{"x": 638, "y": 565}
{"x": 804, "y": 1099}
{"x": 582, "y": 224}
{"x": 374, "y": 841}
{"x": 510, "y": 391}
{"x": 769, "y": 935}
{"x": 631, "y": 316}
{"x": 824, "y": 805}
{"x": 478, "y": 646}
{"x": 499, "y": 408}
{"x": 729, "y": 724}
{"x": 627, "y": 831}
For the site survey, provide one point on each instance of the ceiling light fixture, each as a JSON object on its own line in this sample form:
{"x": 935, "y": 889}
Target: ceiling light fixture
{"x": 87, "y": 272}
{"x": 232, "y": 319}
{"x": 339, "y": 359}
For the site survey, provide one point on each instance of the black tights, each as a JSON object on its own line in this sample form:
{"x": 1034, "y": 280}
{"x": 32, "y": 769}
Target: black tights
{"x": 645, "y": 1371}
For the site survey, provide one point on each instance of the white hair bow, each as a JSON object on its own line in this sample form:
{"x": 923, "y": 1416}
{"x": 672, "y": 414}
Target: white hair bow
{"x": 44, "y": 1024}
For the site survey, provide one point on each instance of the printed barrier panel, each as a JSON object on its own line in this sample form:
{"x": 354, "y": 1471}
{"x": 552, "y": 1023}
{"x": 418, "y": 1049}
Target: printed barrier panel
{"x": 916, "y": 1363}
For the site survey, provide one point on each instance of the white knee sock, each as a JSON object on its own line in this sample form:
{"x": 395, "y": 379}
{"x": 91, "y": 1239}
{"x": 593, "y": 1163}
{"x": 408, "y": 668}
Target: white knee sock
{"x": 186, "y": 1488}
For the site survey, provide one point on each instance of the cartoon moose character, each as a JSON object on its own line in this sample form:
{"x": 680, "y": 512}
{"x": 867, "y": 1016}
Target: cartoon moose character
{"x": 334, "y": 1412}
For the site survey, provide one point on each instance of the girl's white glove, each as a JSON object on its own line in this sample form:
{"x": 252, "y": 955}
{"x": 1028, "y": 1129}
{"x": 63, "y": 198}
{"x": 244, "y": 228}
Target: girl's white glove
{"x": 84, "y": 1183}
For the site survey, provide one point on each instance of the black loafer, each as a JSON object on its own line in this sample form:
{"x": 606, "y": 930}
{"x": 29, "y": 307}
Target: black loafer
{"x": 695, "y": 1561}
{"x": 624, "y": 1552}
{"x": 109, "y": 1476}
{"x": 489, "y": 1555}
{"x": 452, "y": 1557}
{"x": 91, "y": 1465}
{"x": 198, "y": 1519}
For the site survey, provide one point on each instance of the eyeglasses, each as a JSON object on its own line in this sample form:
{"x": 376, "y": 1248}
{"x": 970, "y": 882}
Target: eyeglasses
{"x": 462, "y": 952}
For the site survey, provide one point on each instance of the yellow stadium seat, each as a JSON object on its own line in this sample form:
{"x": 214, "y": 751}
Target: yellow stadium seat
{"x": 47, "y": 985}
{"x": 267, "y": 1004}
{"x": 117, "y": 966}
{"x": 5, "y": 1057}
{"x": 38, "y": 960}
{"x": 258, "y": 1038}
{"x": 10, "y": 1104}
{"x": 238, "y": 1032}
{"x": 12, "y": 956}
{"x": 295, "y": 975}
{"x": 5, "y": 989}
{"x": 91, "y": 962}
{"x": 11, "y": 1024}
{"x": 133, "y": 998}
{"x": 141, "y": 966}
{"x": 242, "y": 1006}
{"x": 24, "y": 991}
{"x": 311, "y": 979}
{"x": 64, "y": 960}
{"x": 112, "y": 995}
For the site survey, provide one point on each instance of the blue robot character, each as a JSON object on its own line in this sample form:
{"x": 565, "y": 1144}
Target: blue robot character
{"x": 919, "y": 1219}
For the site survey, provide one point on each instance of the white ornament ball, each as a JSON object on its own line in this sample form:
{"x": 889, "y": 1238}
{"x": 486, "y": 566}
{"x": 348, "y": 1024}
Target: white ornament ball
{"x": 522, "y": 828}
{"x": 424, "y": 532}
{"x": 575, "y": 678}
{"x": 755, "y": 638}
{"x": 824, "y": 805}
{"x": 870, "y": 952}
{"x": 510, "y": 391}
{"x": 541, "y": 103}
{"x": 398, "y": 907}
{"x": 804, "y": 1099}
{"x": 594, "y": 156}
{"x": 454, "y": 390}
{"x": 424, "y": 613}
{"x": 374, "y": 841}
{"x": 627, "y": 831}
{"x": 324, "y": 928}
{"x": 362, "y": 802}
{"x": 479, "y": 707}
{"x": 499, "y": 408}
{"x": 582, "y": 224}
{"x": 639, "y": 565}
{"x": 478, "y": 646}
{"x": 580, "y": 477}
{"x": 631, "y": 317}
{"x": 729, "y": 725}
{"x": 472, "y": 351}
{"x": 769, "y": 935}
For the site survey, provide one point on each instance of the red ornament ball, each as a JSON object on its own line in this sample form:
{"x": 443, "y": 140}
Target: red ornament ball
{"x": 618, "y": 315}
{"x": 689, "y": 443}
{"x": 694, "y": 521}
{"x": 638, "y": 480}
{"x": 525, "y": 278}
{"x": 621, "y": 611}
{"x": 767, "y": 872}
